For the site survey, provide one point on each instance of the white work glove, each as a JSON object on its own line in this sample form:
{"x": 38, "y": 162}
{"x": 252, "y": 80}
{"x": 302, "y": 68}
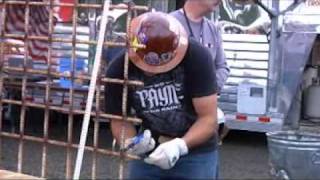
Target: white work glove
{"x": 168, "y": 153}
{"x": 220, "y": 115}
{"x": 140, "y": 144}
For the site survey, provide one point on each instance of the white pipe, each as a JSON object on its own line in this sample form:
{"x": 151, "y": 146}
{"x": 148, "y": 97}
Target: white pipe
{"x": 93, "y": 81}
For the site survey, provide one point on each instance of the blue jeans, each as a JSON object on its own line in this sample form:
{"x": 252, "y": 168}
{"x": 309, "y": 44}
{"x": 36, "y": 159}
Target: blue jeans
{"x": 192, "y": 166}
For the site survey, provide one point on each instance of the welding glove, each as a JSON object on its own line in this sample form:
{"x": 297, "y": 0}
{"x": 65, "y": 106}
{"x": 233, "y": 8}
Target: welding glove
{"x": 168, "y": 153}
{"x": 140, "y": 144}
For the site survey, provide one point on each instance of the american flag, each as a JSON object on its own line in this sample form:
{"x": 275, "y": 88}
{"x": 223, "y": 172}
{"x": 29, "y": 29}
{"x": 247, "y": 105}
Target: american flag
{"x": 38, "y": 25}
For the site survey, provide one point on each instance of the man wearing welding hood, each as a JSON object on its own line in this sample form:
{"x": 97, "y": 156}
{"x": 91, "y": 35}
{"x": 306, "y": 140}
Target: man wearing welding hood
{"x": 177, "y": 104}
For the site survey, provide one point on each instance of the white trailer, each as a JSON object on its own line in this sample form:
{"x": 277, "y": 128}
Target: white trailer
{"x": 264, "y": 91}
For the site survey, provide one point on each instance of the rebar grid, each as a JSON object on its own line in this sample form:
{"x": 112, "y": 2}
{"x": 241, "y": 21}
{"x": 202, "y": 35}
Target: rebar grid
{"x": 23, "y": 85}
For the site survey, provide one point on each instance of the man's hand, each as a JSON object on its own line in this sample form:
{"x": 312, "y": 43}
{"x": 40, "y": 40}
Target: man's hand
{"x": 231, "y": 28}
{"x": 140, "y": 144}
{"x": 168, "y": 153}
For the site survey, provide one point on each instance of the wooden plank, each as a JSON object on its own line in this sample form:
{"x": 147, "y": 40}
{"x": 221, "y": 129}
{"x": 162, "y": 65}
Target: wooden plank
{"x": 4, "y": 174}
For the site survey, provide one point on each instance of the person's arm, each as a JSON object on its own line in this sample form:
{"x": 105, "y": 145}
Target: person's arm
{"x": 206, "y": 125}
{"x": 203, "y": 87}
{"x": 113, "y": 100}
{"x": 261, "y": 24}
{"x": 133, "y": 143}
{"x": 116, "y": 127}
{"x": 201, "y": 83}
{"x": 222, "y": 69}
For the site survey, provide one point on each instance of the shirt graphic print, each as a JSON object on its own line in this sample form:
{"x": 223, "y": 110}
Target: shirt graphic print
{"x": 162, "y": 105}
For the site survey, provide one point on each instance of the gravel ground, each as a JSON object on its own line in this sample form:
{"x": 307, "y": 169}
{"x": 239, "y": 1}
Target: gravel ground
{"x": 243, "y": 155}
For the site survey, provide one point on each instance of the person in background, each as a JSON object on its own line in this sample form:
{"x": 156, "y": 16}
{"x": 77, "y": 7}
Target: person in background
{"x": 177, "y": 104}
{"x": 243, "y": 16}
{"x": 193, "y": 17}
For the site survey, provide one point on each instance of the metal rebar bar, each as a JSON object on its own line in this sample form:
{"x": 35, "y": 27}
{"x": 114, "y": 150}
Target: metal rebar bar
{"x": 95, "y": 149}
{"x": 59, "y": 75}
{"x": 96, "y": 134}
{"x": 2, "y": 22}
{"x": 96, "y": 125}
{"x": 47, "y": 96}
{"x": 24, "y": 82}
{"x": 71, "y": 91}
{"x": 66, "y": 40}
{"x": 80, "y": 5}
{"x": 76, "y": 111}
{"x": 65, "y": 144}
{"x": 69, "y": 150}
{"x": 125, "y": 91}
{"x": 23, "y": 85}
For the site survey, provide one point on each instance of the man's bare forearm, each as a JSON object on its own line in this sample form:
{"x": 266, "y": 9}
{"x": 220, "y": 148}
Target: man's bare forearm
{"x": 200, "y": 132}
{"x": 116, "y": 126}
{"x": 206, "y": 125}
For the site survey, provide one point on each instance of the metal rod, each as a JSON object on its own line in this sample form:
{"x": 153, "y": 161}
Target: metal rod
{"x": 47, "y": 96}
{"x": 125, "y": 91}
{"x": 88, "y": 42}
{"x": 96, "y": 127}
{"x": 23, "y": 92}
{"x": 66, "y": 110}
{"x": 95, "y": 148}
{"x": 2, "y": 16}
{"x": 80, "y": 5}
{"x": 81, "y": 77}
{"x": 65, "y": 144}
{"x": 23, "y": 85}
{"x": 65, "y": 40}
{"x": 71, "y": 91}
{"x": 86, "y": 119}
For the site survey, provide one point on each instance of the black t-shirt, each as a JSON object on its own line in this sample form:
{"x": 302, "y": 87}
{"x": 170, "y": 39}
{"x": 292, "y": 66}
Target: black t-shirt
{"x": 164, "y": 103}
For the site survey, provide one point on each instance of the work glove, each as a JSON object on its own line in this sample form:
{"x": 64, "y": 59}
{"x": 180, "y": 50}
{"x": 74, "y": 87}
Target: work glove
{"x": 140, "y": 144}
{"x": 168, "y": 153}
